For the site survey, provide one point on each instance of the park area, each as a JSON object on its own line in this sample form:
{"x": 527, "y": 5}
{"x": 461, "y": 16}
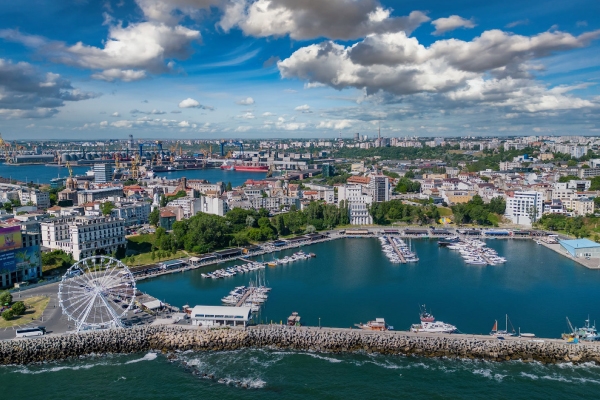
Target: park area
{"x": 33, "y": 309}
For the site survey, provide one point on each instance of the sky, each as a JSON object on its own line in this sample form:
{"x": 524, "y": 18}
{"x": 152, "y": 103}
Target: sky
{"x": 211, "y": 69}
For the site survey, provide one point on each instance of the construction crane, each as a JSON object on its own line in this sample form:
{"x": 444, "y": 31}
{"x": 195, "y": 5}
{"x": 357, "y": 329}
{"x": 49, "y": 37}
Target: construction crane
{"x": 117, "y": 165}
{"x": 135, "y": 171}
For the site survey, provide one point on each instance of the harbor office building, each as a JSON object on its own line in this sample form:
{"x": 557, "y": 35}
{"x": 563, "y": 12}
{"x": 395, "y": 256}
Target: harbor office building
{"x": 581, "y": 248}
{"x": 220, "y": 316}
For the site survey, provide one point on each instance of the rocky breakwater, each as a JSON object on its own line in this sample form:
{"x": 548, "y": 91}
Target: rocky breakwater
{"x": 171, "y": 338}
{"x": 451, "y": 346}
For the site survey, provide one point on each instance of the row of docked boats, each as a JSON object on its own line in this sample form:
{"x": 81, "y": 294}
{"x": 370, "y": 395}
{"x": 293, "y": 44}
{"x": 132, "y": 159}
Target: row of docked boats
{"x": 232, "y": 271}
{"x": 247, "y": 296}
{"x": 298, "y": 256}
{"x": 396, "y": 250}
{"x": 473, "y": 251}
{"x": 428, "y": 324}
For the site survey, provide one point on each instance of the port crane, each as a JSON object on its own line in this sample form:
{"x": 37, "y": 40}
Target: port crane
{"x": 224, "y": 143}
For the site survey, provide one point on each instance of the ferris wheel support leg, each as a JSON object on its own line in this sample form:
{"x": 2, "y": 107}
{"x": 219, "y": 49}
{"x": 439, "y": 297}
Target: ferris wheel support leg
{"x": 111, "y": 311}
{"x": 86, "y": 313}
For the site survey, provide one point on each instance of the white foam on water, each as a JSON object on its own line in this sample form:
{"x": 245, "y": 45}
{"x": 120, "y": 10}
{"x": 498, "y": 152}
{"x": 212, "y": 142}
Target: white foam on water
{"x": 26, "y": 370}
{"x": 147, "y": 357}
{"x": 586, "y": 366}
{"x": 556, "y": 378}
{"x": 530, "y": 376}
{"x": 250, "y": 383}
{"x": 487, "y": 373}
{"x": 330, "y": 359}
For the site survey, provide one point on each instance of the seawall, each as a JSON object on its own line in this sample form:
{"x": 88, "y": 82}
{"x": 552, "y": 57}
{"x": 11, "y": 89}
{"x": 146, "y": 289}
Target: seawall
{"x": 172, "y": 338}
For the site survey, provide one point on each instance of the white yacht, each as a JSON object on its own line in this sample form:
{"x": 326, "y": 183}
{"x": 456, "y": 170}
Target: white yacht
{"x": 433, "y": 327}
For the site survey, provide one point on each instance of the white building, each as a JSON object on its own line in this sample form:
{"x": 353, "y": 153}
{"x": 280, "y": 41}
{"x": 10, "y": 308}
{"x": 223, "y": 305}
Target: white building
{"x": 358, "y": 204}
{"x": 36, "y": 197}
{"x": 132, "y": 214}
{"x": 220, "y": 316}
{"x": 83, "y": 236}
{"x": 523, "y": 208}
{"x": 206, "y": 204}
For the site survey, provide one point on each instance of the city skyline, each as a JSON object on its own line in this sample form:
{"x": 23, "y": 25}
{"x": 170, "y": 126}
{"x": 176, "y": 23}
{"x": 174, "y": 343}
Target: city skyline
{"x": 211, "y": 69}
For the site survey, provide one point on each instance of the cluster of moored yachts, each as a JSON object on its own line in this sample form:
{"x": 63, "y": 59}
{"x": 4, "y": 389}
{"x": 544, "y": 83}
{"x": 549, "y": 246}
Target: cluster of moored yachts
{"x": 232, "y": 271}
{"x": 473, "y": 251}
{"x": 252, "y": 296}
{"x": 289, "y": 259}
{"x": 395, "y": 249}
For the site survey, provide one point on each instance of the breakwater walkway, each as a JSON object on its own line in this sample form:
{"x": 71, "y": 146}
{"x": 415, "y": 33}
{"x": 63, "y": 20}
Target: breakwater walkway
{"x": 168, "y": 338}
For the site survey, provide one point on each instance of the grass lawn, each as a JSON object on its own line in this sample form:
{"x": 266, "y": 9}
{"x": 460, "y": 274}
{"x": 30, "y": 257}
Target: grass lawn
{"x": 445, "y": 212}
{"x": 146, "y": 258}
{"x": 38, "y": 305}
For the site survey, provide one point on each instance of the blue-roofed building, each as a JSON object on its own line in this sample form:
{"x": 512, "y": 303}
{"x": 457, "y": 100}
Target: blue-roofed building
{"x": 581, "y": 248}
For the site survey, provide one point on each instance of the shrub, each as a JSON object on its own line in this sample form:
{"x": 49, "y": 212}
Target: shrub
{"x": 18, "y": 308}
{"x": 5, "y": 298}
{"x": 7, "y": 315}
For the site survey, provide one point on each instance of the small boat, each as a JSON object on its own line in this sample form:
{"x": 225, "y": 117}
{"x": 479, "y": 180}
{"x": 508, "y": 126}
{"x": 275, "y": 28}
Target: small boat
{"x": 425, "y": 316}
{"x": 377, "y": 325}
{"x": 294, "y": 319}
{"x": 272, "y": 263}
{"x": 496, "y": 332}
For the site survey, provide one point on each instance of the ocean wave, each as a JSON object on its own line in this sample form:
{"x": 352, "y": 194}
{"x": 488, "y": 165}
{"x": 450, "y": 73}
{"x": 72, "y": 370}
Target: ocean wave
{"x": 147, "y": 357}
{"x": 487, "y": 373}
{"x": 320, "y": 357}
{"x": 247, "y": 383}
{"x": 530, "y": 376}
{"x": 25, "y": 370}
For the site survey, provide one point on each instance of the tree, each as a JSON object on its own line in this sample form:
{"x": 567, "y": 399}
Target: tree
{"x": 163, "y": 200}
{"x": 310, "y": 229}
{"x": 250, "y": 221}
{"x": 5, "y": 298}
{"x": 7, "y": 315}
{"x": 571, "y": 163}
{"x": 107, "y": 207}
{"x": 154, "y": 217}
{"x": 409, "y": 174}
{"x": 18, "y": 308}
{"x": 228, "y": 188}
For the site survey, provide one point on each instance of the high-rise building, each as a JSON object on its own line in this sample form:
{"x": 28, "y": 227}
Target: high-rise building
{"x": 380, "y": 188}
{"x": 103, "y": 173}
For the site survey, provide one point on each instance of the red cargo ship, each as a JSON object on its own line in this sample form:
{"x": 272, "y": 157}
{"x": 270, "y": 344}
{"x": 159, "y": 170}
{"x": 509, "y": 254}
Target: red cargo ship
{"x": 244, "y": 167}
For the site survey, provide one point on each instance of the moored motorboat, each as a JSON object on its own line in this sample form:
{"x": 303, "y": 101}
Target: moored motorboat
{"x": 377, "y": 325}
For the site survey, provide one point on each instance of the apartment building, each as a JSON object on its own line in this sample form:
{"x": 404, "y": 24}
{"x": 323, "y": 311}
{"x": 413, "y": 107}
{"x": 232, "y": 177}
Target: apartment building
{"x": 524, "y": 207}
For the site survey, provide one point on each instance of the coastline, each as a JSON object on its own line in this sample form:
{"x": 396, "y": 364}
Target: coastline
{"x": 169, "y": 338}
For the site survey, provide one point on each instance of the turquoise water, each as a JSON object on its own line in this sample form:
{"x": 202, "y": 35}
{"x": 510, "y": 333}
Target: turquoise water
{"x": 286, "y": 375}
{"x": 43, "y": 174}
{"x": 351, "y": 281}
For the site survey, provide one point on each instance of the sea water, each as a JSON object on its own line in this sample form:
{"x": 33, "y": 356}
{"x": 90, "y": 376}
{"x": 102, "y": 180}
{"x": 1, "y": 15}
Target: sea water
{"x": 351, "y": 281}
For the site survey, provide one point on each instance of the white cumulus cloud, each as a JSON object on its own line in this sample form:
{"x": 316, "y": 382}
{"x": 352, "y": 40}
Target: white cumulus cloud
{"x": 443, "y": 25}
{"x": 246, "y": 102}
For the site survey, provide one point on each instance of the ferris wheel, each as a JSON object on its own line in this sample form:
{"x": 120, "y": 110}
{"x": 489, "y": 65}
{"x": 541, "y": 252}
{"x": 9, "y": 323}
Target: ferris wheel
{"x": 96, "y": 293}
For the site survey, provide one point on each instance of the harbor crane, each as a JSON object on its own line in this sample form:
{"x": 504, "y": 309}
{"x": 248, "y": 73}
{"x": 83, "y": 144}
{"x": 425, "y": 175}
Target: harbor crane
{"x": 224, "y": 143}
